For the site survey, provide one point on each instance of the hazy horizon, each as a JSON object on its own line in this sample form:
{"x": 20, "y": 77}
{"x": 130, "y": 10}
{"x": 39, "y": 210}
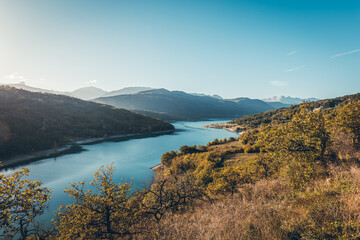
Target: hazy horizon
{"x": 55, "y": 90}
{"x": 255, "y": 49}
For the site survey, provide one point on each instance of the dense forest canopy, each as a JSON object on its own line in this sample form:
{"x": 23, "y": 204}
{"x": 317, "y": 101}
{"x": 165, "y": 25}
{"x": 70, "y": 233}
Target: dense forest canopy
{"x": 36, "y": 121}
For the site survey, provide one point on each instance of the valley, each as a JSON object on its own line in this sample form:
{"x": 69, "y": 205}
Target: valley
{"x": 179, "y": 120}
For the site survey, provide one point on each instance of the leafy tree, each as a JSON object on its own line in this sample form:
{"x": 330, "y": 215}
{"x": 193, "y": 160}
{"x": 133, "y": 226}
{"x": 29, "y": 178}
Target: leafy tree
{"x": 296, "y": 147}
{"x": 202, "y": 148}
{"x": 167, "y": 157}
{"x": 188, "y": 149}
{"x": 226, "y": 181}
{"x": 103, "y": 212}
{"x": 348, "y": 118}
{"x": 168, "y": 194}
{"x": 21, "y": 201}
{"x": 214, "y": 142}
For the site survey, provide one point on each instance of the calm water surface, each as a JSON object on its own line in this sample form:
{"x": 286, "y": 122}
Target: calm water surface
{"x": 132, "y": 159}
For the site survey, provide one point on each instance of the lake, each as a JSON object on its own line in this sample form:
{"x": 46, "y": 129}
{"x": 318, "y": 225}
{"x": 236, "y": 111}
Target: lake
{"x": 132, "y": 159}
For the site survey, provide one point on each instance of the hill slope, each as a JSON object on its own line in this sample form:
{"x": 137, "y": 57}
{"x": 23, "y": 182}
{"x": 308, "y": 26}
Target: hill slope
{"x": 283, "y": 115}
{"x": 36, "y": 121}
{"x": 84, "y": 93}
{"x": 23, "y": 86}
{"x": 127, "y": 90}
{"x": 182, "y": 106}
{"x": 87, "y": 93}
{"x": 298, "y": 179}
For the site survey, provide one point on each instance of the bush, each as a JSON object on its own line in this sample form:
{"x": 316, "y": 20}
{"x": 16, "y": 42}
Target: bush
{"x": 188, "y": 149}
{"x": 167, "y": 157}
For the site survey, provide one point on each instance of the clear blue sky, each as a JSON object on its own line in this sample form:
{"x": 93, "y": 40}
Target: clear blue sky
{"x": 305, "y": 48}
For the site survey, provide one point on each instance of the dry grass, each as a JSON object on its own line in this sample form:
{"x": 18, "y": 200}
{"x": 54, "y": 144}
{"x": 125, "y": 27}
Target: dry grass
{"x": 251, "y": 214}
{"x": 343, "y": 146}
{"x": 270, "y": 210}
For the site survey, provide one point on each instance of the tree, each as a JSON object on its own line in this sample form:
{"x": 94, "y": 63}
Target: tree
{"x": 103, "y": 212}
{"x": 21, "y": 201}
{"x": 296, "y": 147}
{"x": 168, "y": 194}
{"x": 348, "y": 118}
{"x": 167, "y": 157}
{"x": 188, "y": 149}
{"x": 226, "y": 181}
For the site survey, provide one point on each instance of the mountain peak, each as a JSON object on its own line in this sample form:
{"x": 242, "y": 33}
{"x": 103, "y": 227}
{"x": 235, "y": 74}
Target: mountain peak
{"x": 88, "y": 93}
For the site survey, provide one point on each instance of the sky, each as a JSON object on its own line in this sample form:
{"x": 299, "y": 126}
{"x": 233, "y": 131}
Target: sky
{"x": 244, "y": 48}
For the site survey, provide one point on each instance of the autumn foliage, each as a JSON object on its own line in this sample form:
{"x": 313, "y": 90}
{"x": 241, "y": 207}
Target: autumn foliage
{"x": 21, "y": 201}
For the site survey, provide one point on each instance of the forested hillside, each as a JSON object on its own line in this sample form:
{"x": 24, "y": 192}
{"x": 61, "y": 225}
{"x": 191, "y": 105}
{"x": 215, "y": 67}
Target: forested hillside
{"x": 178, "y": 105}
{"x": 283, "y": 115}
{"x": 35, "y": 121}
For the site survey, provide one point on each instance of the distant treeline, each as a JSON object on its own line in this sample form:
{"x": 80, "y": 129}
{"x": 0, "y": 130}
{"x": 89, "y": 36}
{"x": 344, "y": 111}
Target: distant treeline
{"x": 283, "y": 115}
{"x": 36, "y": 121}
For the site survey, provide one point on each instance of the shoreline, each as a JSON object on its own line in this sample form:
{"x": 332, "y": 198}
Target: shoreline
{"x": 224, "y": 125}
{"x": 158, "y": 171}
{"x": 70, "y": 148}
{"x": 227, "y": 126}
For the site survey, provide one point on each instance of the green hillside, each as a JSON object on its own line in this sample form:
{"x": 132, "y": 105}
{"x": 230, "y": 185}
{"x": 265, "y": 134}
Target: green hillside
{"x": 36, "y": 121}
{"x": 283, "y": 115}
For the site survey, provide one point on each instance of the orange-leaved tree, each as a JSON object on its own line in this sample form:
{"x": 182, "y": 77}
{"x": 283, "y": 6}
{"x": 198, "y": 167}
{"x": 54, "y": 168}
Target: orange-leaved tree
{"x": 105, "y": 210}
{"x": 21, "y": 201}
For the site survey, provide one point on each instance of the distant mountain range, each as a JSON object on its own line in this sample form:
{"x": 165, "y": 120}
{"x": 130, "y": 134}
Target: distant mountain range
{"x": 204, "y": 95}
{"x": 178, "y": 105}
{"x": 88, "y": 93}
{"x": 288, "y": 100}
{"x": 175, "y": 105}
{"x": 85, "y": 93}
{"x": 22, "y": 85}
